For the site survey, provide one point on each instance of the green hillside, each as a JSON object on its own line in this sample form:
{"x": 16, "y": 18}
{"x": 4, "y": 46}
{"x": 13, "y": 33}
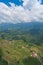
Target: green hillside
{"x": 16, "y": 51}
{"x": 21, "y": 46}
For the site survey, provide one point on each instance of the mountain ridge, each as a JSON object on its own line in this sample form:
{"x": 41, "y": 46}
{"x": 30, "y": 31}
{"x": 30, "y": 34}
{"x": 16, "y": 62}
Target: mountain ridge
{"x": 22, "y": 25}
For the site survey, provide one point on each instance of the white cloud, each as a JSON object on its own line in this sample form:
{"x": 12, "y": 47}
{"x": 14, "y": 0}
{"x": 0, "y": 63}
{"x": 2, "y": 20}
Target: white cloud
{"x": 31, "y": 10}
{"x": 25, "y": 2}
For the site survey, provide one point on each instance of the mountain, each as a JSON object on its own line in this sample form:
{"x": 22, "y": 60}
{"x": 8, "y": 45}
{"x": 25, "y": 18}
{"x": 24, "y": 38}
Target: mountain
{"x": 28, "y": 32}
{"x": 22, "y": 25}
{"x": 21, "y": 43}
{"x": 32, "y": 27}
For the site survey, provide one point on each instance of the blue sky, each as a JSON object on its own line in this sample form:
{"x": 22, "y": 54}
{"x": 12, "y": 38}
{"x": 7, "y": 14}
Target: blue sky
{"x": 17, "y": 2}
{"x": 31, "y": 10}
{"x": 41, "y": 1}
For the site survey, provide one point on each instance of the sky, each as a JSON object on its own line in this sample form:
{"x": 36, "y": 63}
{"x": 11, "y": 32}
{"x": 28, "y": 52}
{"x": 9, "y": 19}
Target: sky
{"x": 17, "y": 11}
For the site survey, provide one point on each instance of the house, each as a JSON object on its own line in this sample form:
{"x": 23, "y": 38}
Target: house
{"x": 33, "y": 54}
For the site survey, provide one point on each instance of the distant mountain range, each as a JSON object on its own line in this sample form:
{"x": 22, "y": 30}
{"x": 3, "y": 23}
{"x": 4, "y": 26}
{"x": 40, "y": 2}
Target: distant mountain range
{"x": 30, "y": 25}
{"x": 29, "y": 32}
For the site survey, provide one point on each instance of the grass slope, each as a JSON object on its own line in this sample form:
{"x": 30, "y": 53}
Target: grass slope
{"x": 16, "y": 50}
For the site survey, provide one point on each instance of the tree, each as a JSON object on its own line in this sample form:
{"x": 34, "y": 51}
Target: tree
{"x": 31, "y": 61}
{"x": 1, "y": 53}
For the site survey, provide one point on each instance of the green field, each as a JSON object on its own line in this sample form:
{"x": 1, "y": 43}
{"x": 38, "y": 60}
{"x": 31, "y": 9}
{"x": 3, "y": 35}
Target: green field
{"x": 16, "y": 51}
{"x": 21, "y": 46}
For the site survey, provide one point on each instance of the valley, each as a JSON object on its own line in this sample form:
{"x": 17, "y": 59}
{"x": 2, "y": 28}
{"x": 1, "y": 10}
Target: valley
{"x": 21, "y": 44}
